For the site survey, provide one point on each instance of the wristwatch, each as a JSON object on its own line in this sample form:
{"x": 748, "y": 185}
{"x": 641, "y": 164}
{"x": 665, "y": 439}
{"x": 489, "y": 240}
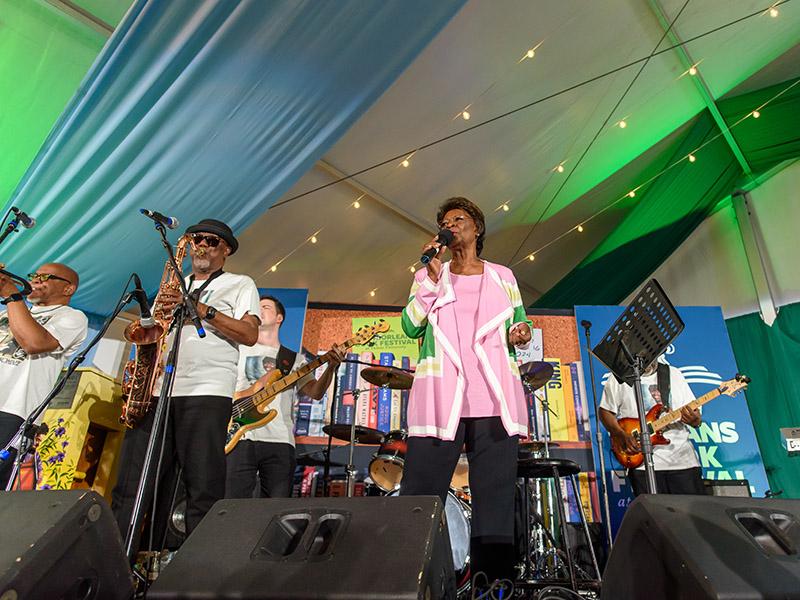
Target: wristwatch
{"x": 12, "y": 298}
{"x": 211, "y": 312}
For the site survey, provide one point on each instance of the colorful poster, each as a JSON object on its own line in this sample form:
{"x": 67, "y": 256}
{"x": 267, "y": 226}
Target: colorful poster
{"x": 725, "y": 441}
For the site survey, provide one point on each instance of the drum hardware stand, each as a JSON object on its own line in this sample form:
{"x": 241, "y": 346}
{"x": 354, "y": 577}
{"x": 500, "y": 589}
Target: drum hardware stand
{"x": 636, "y": 339}
{"x": 25, "y": 436}
{"x": 350, "y": 470}
{"x": 587, "y": 325}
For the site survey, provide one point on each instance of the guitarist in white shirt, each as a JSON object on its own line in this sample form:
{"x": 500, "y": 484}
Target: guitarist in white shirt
{"x": 676, "y": 464}
{"x": 269, "y": 451}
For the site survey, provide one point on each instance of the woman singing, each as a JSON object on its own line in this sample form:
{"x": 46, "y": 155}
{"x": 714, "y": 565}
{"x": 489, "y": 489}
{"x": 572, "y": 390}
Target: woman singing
{"x": 467, "y": 388}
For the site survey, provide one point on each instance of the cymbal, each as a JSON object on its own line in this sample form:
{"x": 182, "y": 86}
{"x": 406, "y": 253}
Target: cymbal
{"x": 363, "y": 435}
{"x": 389, "y": 377}
{"x": 315, "y": 459}
{"x": 535, "y": 445}
{"x": 535, "y": 373}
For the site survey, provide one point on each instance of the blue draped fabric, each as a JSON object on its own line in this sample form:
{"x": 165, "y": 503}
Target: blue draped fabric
{"x": 204, "y": 109}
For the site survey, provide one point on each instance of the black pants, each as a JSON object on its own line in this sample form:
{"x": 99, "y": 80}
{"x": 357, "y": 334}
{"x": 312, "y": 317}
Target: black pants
{"x": 9, "y": 425}
{"x": 681, "y": 481}
{"x": 273, "y": 462}
{"x": 195, "y": 439}
{"x": 492, "y": 456}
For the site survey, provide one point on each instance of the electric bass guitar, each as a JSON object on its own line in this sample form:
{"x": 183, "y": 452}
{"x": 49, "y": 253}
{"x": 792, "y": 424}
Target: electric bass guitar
{"x": 251, "y": 406}
{"x": 656, "y": 421}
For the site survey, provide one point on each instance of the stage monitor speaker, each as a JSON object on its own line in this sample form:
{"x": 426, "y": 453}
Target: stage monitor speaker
{"x": 705, "y": 547}
{"x": 738, "y": 488}
{"x": 61, "y": 544}
{"x": 322, "y": 548}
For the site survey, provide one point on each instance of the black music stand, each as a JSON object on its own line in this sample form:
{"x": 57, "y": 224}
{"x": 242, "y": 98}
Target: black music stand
{"x": 637, "y": 338}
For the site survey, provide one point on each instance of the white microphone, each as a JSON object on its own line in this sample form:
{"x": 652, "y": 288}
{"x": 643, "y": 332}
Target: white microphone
{"x": 168, "y": 222}
{"x": 24, "y": 220}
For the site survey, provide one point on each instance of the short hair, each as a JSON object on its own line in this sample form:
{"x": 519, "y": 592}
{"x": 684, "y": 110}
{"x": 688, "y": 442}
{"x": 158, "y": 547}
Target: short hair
{"x": 471, "y": 209}
{"x": 278, "y": 306}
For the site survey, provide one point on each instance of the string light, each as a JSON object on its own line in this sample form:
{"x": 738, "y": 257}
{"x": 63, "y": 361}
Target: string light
{"x": 692, "y": 158}
{"x": 412, "y": 269}
{"x": 313, "y": 239}
{"x": 692, "y": 70}
{"x": 622, "y": 124}
{"x": 579, "y": 228}
{"x": 405, "y": 163}
{"x": 465, "y": 115}
{"x": 773, "y": 12}
{"x": 530, "y": 52}
{"x": 531, "y": 257}
{"x": 560, "y": 168}
{"x": 632, "y": 194}
{"x": 756, "y": 114}
{"x": 372, "y": 293}
{"x": 505, "y": 208}
{"x": 273, "y": 268}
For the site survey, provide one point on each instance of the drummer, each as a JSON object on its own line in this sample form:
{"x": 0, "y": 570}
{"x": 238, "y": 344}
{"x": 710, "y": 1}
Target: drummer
{"x": 467, "y": 388}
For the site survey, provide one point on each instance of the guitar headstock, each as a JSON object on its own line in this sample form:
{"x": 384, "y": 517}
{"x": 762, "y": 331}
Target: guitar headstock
{"x": 735, "y": 385}
{"x": 367, "y": 332}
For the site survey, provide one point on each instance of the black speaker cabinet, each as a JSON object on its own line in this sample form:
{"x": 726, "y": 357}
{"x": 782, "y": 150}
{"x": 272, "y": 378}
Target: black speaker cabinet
{"x": 374, "y": 547}
{"x": 61, "y": 544}
{"x": 694, "y": 547}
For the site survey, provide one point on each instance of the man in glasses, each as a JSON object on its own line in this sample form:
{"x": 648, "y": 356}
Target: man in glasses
{"x": 34, "y": 344}
{"x": 205, "y": 379}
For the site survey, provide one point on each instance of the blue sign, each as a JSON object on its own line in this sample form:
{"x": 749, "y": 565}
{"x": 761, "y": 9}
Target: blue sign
{"x": 725, "y": 441}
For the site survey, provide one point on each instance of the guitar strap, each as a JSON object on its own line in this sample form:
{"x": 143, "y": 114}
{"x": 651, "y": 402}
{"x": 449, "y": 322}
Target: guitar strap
{"x": 663, "y": 380}
{"x": 285, "y": 360}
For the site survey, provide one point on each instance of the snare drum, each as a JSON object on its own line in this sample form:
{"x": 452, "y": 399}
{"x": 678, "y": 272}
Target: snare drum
{"x": 386, "y": 467}
{"x": 459, "y": 528}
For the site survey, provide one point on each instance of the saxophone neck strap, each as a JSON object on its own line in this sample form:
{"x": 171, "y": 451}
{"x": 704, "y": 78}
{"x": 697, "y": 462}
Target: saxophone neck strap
{"x": 195, "y": 294}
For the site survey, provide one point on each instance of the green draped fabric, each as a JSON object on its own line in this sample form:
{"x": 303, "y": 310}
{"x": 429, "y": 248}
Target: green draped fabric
{"x": 680, "y": 199}
{"x": 770, "y": 356}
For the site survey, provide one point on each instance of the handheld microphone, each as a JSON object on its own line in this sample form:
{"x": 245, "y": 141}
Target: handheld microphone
{"x": 168, "y": 222}
{"x": 24, "y": 220}
{"x": 146, "y": 321}
{"x": 444, "y": 237}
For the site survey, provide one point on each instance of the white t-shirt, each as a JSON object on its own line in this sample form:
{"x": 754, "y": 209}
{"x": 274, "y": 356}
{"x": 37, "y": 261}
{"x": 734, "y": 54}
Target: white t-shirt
{"x": 619, "y": 399}
{"x": 207, "y": 366}
{"x": 25, "y": 379}
{"x": 256, "y": 362}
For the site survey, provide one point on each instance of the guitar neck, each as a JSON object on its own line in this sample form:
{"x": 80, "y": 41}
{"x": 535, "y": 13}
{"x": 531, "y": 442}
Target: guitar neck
{"x": 289, "y": 380}
{"x": 675, "y": 415}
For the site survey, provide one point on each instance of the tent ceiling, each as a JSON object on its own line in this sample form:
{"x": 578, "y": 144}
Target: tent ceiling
{"x": 475, "y": 61}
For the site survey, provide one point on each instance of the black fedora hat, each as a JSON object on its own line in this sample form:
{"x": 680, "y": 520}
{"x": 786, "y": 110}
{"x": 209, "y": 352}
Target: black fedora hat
{"x": 217, "y": 228}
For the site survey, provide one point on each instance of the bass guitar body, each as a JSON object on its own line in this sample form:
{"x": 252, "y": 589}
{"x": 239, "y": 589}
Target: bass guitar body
{"x": 250, "y": 417}
{"x": 631, "y": 426}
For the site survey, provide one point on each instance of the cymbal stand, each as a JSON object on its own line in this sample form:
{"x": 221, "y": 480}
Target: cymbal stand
{"x": 350, "y": 470}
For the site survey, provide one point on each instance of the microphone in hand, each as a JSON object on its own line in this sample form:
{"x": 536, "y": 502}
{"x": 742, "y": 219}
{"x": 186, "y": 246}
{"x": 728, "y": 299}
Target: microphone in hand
{"x": 443, "y": 238}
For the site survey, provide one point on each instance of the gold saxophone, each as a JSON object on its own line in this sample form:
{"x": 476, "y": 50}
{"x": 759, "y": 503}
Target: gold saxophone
{"x": 141, "y": 373}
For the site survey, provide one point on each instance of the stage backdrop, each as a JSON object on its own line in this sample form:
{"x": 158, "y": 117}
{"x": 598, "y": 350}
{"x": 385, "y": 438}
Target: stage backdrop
{"x": 725, "y": 442}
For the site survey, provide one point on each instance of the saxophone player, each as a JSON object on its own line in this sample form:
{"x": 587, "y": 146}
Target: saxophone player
{"x": 205, "y": 378}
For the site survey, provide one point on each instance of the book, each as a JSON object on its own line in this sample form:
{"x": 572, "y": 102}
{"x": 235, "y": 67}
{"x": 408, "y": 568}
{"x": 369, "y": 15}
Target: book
{"x": 569, "y": 403}
{"x": 581, "y": 387}
{"x": 384, "y": 407}
{"x": 405, "y": 361}
{"x": 394, "y": 420}
{"x": 586, "y": 496}
{"x": 347, "y": 412}
{"x": 554, "y": 393}
{"x": 362, "y": 404}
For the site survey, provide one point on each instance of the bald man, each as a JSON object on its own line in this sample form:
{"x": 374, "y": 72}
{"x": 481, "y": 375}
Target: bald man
{"x": 34, "y": 344}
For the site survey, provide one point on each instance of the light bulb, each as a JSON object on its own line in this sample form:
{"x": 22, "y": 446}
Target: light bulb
{"x": 530, "y": 53}
{"x": 773, "y": 12}
{"x": 531, "y": 257}
{"x": 465, "y": 115}
{"x": 411, "y": 268}
{"x": 622, "y": 124}
{"x": 372, "y": 293}
{"x": 505, "y": 208}
{"x": 580, "y": 228}
{"x": 692, "y": 70}
{"x": 405, "y": 163}
{"x": 632, "y": 194}
{"x": 356, "y": 204}
{"x": 756, "y": 114}
{"x": 274, "y": 268}
{"x": 313, "y": 239}
{"x": 692, "y": 158}
{"x": 560, "y": 168}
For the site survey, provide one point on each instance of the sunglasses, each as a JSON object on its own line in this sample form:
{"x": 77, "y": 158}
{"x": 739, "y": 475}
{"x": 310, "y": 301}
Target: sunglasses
{"x": 45, "y": 277}
{"x": 211, "y": 241}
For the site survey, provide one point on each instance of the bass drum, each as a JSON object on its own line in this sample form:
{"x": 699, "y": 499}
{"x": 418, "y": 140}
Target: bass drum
{"x": 459, "y": 527}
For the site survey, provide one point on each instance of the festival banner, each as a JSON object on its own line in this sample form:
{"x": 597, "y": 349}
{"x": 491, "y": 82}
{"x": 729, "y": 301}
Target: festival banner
{"x": 725, "y": 441}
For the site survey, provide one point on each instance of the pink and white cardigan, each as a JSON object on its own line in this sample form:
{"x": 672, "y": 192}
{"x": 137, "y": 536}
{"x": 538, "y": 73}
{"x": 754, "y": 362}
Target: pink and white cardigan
{"x": 437, "y": 396}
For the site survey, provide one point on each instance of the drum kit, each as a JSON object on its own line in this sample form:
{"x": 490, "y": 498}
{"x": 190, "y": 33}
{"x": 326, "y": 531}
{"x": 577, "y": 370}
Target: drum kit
{"x": 540, "y": 556}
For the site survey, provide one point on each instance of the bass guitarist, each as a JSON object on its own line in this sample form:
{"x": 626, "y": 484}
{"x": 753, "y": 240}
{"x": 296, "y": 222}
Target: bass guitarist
{"x": 676, "y": 464}
{"x": 269, "y": 451}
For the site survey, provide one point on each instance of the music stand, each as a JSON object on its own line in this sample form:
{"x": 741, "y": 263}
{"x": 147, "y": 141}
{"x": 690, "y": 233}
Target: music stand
{"x": 637, "y": 338}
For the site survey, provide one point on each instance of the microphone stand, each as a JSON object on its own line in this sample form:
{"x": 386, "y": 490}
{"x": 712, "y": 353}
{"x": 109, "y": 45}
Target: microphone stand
{"x": 587, "y": 325}
{"x": 13, "y": 225}
{"x": 186, "y": 308}
{"x": 26, "y": 432}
